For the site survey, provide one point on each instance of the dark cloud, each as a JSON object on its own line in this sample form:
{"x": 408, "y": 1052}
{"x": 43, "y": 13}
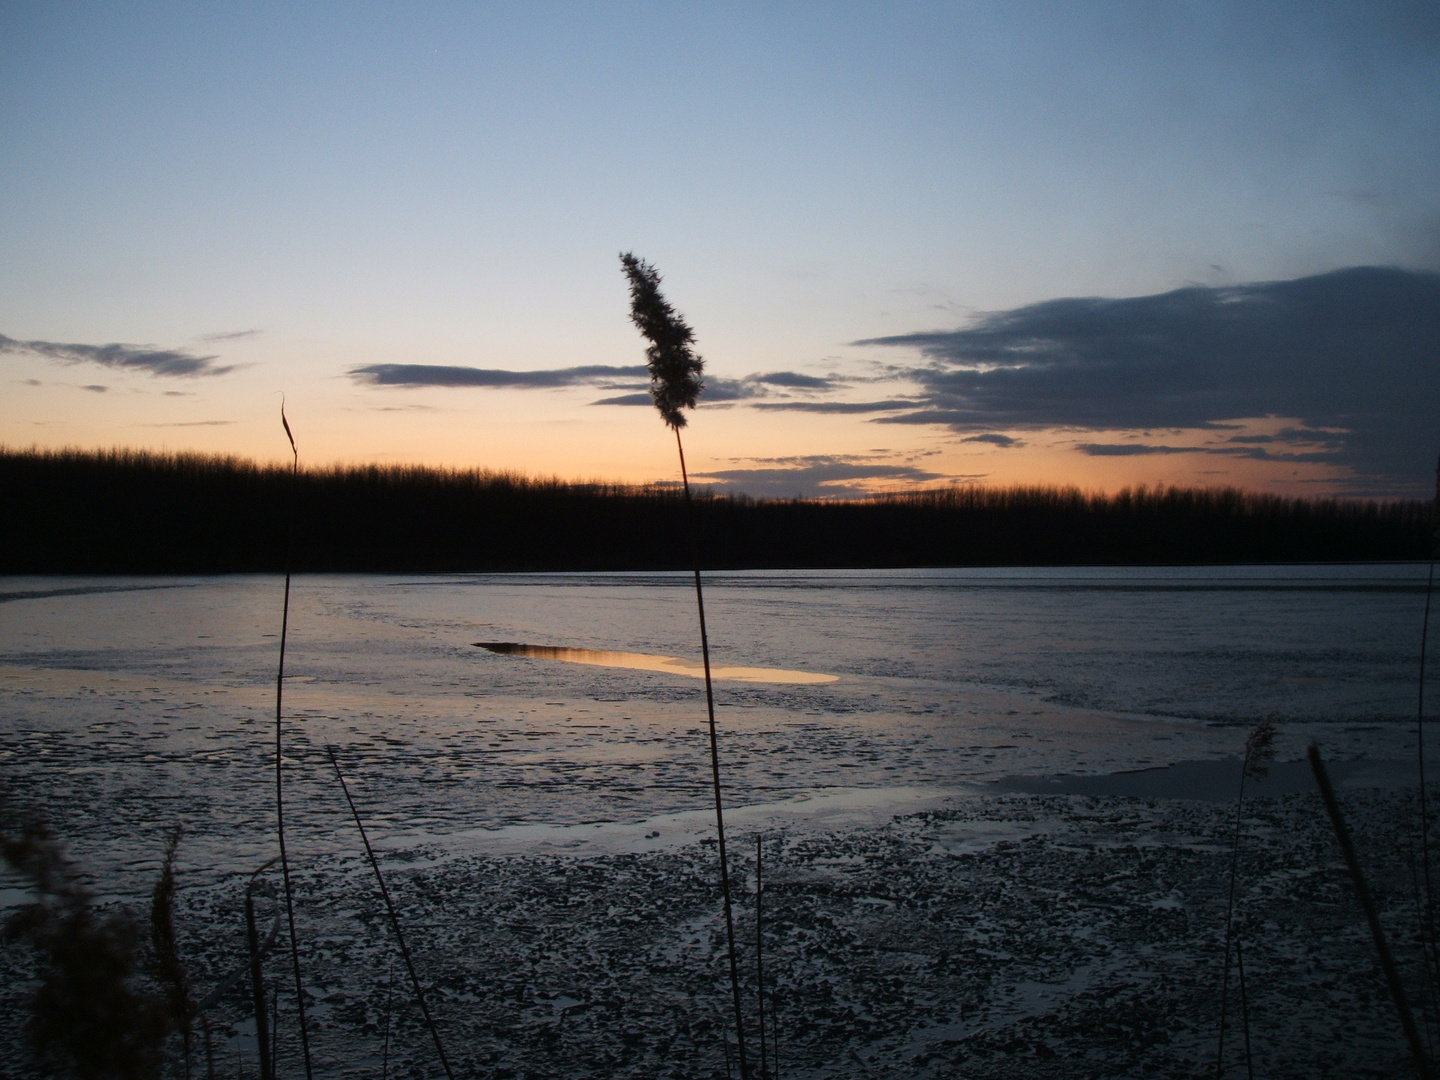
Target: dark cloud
{"x": 171, "y": 362}
{"x": 1254, "y": 453}
{"x": 410, "y": 375}
{"x": 1134, "y": 449}
{"x": 1356, "y": 351}
{"x": 994, "y": 438}
{"x": 838, "y": 406}
{"x": 753, "y": 387}
{"x": 794, "y": 380}
{"x": 718, "y": 389}
{"x": 96, "y": 388}
{"x": 814, "y": 476}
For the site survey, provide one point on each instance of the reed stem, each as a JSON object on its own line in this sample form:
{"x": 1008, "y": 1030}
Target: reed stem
{"x": 279, "y": 753}
{"x": 715, "y": 770}
{"x": 1244, "y": 1011}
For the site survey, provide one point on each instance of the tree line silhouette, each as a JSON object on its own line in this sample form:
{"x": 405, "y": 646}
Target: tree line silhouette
{"x": 138, "y": 512}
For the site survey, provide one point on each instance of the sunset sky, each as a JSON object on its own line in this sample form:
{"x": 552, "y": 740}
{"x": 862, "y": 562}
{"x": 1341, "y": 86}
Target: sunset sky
{"x": 920, "y": 244}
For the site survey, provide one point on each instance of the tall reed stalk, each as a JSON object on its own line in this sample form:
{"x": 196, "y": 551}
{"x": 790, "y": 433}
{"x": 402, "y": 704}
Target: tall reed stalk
{"x": 279, "y": 750}
{"x": 1427, "y": 919}
{"x": 675, "y": 384}
{"x": 1259, "y": 750}
{"x": 168, "y": 969}
{"x": 759, "y": 950}
{"x": 389, "y": 1000}
{"x": 257, "y": 981}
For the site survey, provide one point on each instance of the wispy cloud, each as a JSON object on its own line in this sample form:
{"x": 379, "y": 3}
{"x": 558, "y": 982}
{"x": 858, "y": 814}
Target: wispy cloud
{"x": 231, "y": 335}
{"x": 167, "y": 362}
{"x": 416, "y": 375}
{"x": 627, "y": 399}
{"x": 839, "y": 407}
{"x": 192, "y": 423}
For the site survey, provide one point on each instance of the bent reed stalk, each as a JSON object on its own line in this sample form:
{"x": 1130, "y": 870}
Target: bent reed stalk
{"x": 394, "y": 919}
{"x": 279, "y": 751}
{"x": 675, "y": 384}
{"x": 1372, "y": 914}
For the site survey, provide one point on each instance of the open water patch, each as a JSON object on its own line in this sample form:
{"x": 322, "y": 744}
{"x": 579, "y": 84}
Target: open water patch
{"x": 651, "y": 662}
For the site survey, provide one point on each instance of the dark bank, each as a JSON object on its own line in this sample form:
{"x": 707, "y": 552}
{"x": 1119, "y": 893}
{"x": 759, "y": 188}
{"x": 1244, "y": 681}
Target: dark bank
{"x": 135, "y": 512}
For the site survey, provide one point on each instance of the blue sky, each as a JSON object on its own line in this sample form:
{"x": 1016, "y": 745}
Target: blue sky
{"x": 307, "y": 195}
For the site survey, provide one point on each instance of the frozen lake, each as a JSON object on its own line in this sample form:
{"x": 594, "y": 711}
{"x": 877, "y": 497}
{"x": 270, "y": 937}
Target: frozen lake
{"x": 542, "y": 811}
{"x": 135, "y": 704}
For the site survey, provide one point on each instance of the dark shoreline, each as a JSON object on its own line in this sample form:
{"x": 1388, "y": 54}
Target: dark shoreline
{"x": 126, "y": 512}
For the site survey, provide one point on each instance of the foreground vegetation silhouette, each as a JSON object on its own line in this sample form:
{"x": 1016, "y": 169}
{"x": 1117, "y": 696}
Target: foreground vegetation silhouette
{"x": 675, "y": 384}
{"x": 136, "y": 512}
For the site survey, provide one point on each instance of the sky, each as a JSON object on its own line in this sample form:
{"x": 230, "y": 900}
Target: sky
{"x": 920, "y": 244}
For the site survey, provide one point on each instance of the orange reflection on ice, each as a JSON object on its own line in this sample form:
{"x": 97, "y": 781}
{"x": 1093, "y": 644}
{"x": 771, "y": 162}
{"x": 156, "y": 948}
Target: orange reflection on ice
{"x": 648, "y": 662}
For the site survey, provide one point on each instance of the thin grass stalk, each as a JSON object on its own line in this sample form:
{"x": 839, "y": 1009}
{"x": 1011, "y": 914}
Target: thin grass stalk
{"x": 394, "y": 919}
{"x": 775, "y": 1032}
{"x": 209, "y": 1047}
{"x": 1427, "y": 922}
{"x": 1244, "y": 1011}
{"x": 1427, "y": 1022}
{"x": 1372, "y": 915}
{"x": 389, "y": 998}
{"x": 1420, "y": 755}
{"x": 171, "y": 971}
{"x": 715, "y": 772}
{"x": 1425, "y": 911}
{"x": 257, "y": 983}
{"x": 1229, "y": 924}
{"x": 1259, "y": 751}
{"x": 279, "y": 752}
{"x": 759, "y": 950}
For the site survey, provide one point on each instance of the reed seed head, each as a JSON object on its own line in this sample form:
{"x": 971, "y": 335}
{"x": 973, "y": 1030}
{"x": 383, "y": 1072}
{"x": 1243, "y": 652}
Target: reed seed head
{"x": 675, "y": 368}
{"x": 1260, "y": 750}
